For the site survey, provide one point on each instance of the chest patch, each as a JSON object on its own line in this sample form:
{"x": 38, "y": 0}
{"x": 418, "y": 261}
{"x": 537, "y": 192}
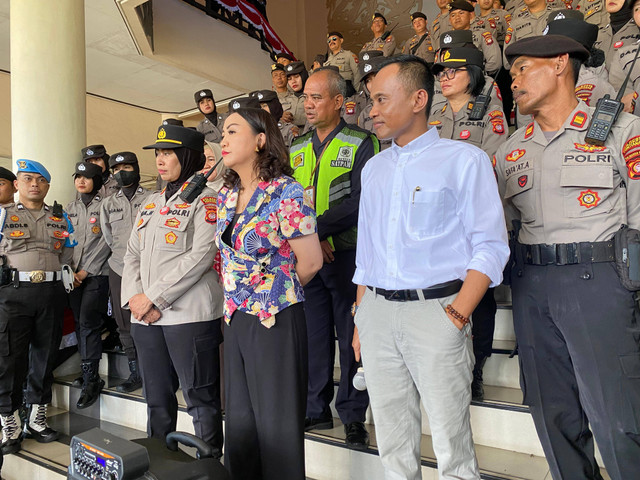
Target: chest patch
{"x": 344, "y": 158}
{"x": 515, "y": 155}
{"x": 298, "y": 160}
{"x": 588, "y": 198}
{"x": 170, "y": 238}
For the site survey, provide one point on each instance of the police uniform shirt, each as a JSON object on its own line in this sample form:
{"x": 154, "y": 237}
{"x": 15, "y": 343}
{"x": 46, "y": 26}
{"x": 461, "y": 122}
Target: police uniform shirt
{"x": 567, "y": 190}
{"x": 594, "y": 12}
{"x": 295, "y": 105}
{"x": 347, "y": 63}
{"x": 621, "y": 56}
{"x": 487, "y": 44}
{"x": 524, "y": 24}
{"x": 439, "y": 100}
{"x": 211, "y": 132}
{"x": 92, "y": 252}
{"x": 170, "y": 257}
{"x": 487, "y": 134}
{"x": 288, "y": 100}
{"x": 289, "y": 131}
{"x": 387, "y": 46}
{"x": 352, "y": 107}
{"x": 592, "y": 85}
{"x": 425, "y": 49}
{"x": 117, "y": 216}
{"x": 440, "y": 24}
{"x": 496, "y": 22}
{"x": 514, "y": 6}
{"x": 35, "y": 240}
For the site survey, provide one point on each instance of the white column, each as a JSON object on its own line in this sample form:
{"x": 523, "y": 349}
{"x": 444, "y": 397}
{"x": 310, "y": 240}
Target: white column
{"x": 48, "y": 86}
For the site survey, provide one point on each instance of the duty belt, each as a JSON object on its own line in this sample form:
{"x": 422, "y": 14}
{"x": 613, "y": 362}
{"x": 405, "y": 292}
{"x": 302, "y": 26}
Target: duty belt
{"x": 566, "y": 253}
{"x": 37, "y": 276}
{"x": 437, "y": 291}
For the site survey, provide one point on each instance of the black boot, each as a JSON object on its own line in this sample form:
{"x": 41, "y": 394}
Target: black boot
{"x": 37, "y": 427}
{"x": 91, "y": 386}
{"x": 77, "y": 382}
{"x": 134, "y": 382}
{"x": 477, "y": 387}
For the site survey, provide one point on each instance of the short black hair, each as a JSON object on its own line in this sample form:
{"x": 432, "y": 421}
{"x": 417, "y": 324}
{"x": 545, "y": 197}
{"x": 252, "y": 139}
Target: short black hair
{"x": 476, "y": 80}
{"x": 415, "y": 74}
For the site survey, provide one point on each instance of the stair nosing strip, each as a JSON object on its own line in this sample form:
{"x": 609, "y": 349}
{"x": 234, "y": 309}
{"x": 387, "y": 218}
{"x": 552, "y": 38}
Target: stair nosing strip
{"x": 41, "y": 462}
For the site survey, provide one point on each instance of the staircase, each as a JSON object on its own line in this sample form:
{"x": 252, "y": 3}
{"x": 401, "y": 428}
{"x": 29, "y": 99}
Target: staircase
{"x": 506, "y": 442}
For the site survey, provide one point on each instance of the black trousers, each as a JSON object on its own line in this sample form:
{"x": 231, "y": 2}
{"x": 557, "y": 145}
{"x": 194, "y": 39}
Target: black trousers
{"x": 327, "y": 307}
{"x": 484, "y": 325}
{"x": 266, "y": 386}
{"x": 122, "y": 315}
{"x": 181, "y": 355}
{"x": 578, "y": 335}
{"x": 30, "y": 334}
{"x": 89, "y": 304}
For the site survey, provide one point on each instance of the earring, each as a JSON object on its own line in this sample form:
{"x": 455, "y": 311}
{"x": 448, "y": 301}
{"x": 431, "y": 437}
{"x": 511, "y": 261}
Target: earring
{"x": 257, "y": 149}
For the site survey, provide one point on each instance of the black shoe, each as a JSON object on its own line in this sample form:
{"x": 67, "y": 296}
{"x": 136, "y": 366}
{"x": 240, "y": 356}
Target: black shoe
{"x": 134, "y": 382}
{"x": 477, "y": 385}
{"x": 324, "y": 423}
{"x": 37, "y": 427}
{"x": 77, "y": 382}
{"x": 92, "y": 385}
{"x": 357, "y": 437}
{"x": 11, "y": 446}
{"x": 11, "y": 434}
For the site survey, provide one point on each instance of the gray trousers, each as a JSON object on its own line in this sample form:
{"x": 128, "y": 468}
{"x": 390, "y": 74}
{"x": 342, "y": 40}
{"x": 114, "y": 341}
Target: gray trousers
{"x": 411, "y": 351}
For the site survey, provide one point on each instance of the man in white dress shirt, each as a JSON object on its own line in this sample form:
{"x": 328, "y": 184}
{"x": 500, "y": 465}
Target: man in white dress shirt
{"x": 431, "y": 240}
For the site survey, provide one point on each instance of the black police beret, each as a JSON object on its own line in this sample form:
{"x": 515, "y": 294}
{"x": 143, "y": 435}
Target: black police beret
{"x": 456, "y": 38}
{"x": 579, "y": 30}
{"x": 461, "y": 5}
{"x": 545, "y": 46}
{"x": 172, "y": 136}
{"x": 285, "y": 55}
{"x": 459, "y": 57}
{"x": 379, "y": 15}
{"x": 204, "y": 93}
{"x": 372, "y": 65}
{"x": 88, "y": 170}
{"x": 173, "y": 121}
{"x": 334, "y": 34}
{"x": 565, "y": 13}
{"x": 417, "y": 15}
{"x": 369, "y": 54}
{"x": 94, "y": 151}
{"x": 123, "y": 158}
{"x": 7, "y": 174}
{"x": 264, "y": 96}
{"x": 295, "y": 68}
{"x": 278, "y": 66}
{"x": 244, "y": 102}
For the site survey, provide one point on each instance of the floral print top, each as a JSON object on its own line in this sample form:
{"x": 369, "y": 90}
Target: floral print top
{"x": 259, "y": 270}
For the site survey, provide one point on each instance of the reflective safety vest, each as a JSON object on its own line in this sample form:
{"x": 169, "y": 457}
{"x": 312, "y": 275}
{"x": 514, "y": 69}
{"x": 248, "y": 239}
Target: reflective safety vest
{"x": 332, "y": 178}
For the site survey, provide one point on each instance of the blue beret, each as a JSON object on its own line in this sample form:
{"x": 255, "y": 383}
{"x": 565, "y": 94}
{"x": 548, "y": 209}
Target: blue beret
{"x": 31, "y": 166}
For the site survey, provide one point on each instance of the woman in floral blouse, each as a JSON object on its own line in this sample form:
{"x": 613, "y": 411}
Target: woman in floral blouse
{"x": 270, "y": 249}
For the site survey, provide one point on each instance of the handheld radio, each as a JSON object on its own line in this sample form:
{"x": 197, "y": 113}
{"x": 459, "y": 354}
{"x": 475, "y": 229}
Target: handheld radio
{"x": 481, "y": 103}
{"x": 197, "y": 184}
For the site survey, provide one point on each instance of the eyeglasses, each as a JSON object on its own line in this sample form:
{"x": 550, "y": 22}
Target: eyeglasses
{"x": 449, "y": 73}
{"x": 332, "y": 39}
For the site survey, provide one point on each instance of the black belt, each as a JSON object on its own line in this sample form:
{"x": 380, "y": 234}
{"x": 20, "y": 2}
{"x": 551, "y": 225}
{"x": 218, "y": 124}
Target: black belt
{"x": 437, "y": 291}
{"x": 567, "y": 253}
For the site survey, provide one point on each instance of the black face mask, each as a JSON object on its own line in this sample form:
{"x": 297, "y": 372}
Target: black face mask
{"x": 126, "y": 178}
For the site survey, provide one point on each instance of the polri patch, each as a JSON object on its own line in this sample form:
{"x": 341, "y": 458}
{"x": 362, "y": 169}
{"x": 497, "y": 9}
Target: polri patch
{"x": 170, "y": 238}
{"x": 515, "y": 155}
{"x": 589, "y": 198}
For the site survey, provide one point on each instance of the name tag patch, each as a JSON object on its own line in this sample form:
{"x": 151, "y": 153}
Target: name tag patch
{"x": 344, "y": 158}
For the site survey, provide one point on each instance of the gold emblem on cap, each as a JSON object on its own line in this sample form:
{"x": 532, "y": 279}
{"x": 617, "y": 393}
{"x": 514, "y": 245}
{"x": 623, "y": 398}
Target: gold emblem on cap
{"x": 447, "y": 54}
{"x": 22, "y": 164}
{"x": 161, "y": 134}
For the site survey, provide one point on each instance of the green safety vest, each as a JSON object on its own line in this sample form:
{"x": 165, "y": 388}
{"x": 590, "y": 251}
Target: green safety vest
{"x": 332, "y": 179}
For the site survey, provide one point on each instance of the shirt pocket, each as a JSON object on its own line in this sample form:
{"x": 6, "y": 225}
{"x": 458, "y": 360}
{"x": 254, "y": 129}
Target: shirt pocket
{"x": 519, "y": 189}
{"x": 587, "y": 190}
{"x": 172, "y": 236}
{"x": 426, "y": 214}
{"x": 57, "y": 238}
{"x": 17, "y": 239}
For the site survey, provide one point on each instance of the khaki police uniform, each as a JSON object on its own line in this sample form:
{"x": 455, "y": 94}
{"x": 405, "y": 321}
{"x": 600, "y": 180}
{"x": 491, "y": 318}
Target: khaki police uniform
{"x": 496, "y": 22}
{"x": 387, "y": 46}
{"x": 439, "y": 100}
{"x": 595, "y": 12}
{"x": 440, "y": 24}
{"x": 352, "y": 107}
{"x": 117, "y": 217}
{"x": 424, "y": 50}
{"x": 170, "y": 258}
{"x": 621, "y": 56}
{"x": 347, "y": 63}
{"x": 289, "y": 131}
{"x": 89, "y": 300}
{"x": 211, "y": 132}
{"x": 525, "y": 24}
{"x": 487, "y": 44}
{"x": 32, "y": 304}
{"x": 571, "y": 312}
{"x": 592, "y": 85}
{"x": 513, "y": 6}
{"x": 292, "y": 103}
{"x": 487, "y": 134}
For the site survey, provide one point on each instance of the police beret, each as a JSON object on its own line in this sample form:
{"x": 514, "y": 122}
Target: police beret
{"x": 461, "y": 5}
{"x": 334, "y": 34}
{"x": 244, "y": 102}
{"x": 459, "y": 57}
{"x": 372, "y": 65}
{"x": 295, "y": 68}
{"x": 88, "y": 170}
{"x": 173, "y": 121}
{"x": 379, "y": 15}
{"x": 7, "y": 174}
{"x": 204, "y": 93}
{"x": 368, "y": 54}
{"x": 264, "y": 96}
{"x": 565, "y": 13}
{"x": 123, "y": 158}
{"x": 456, "y": 38}
{"x": 31, "y": 166}
{"x": 579, "y": 30}
{"x": 545, "y": 46}
{"x": 285, "y": 55}
{"x": 172, "y": 136}
{"x": 277, "y": 66}
{"x": 94, "y": 151}
{"x": 417, "y": 15}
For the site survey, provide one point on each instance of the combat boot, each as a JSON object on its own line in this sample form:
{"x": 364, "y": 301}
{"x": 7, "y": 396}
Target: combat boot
{"x": 37, "y": 428}
{"x": 11, "y": 433}
{"x": 477, "y": 385}
{"x": 134, "y": 382}
{"x": 91, "y": 386}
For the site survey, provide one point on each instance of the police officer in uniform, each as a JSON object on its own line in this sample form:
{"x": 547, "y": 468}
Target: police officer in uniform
{"x": 420, "y": 43}
{"x": 382, "y": 40}
{"x": 7, "y": 188}
{"x": 440, "y": 23}
{"x": 117, "y": 216}
{"x": 496, "y": 21}
{"x": 34, "y": 246}
{"x": 345, "y": 60}
{"x": 576, "y": 324}
{"x": 269, "y": 102}
{"x": 90, "y": 296}
{"x": 370, "y": 63}
{"x": 287, "y": 99}
{"x": 528, "y": 21}
{"x": 211, "y": 124}
{"x": 299, "y": 72}
{"x": 98, "y": 155}
{"x": 174, "y": 294}
{"x": 284, "y": 59}
{"x": 327, "y": 161}
{"x": 625, "y": 44}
